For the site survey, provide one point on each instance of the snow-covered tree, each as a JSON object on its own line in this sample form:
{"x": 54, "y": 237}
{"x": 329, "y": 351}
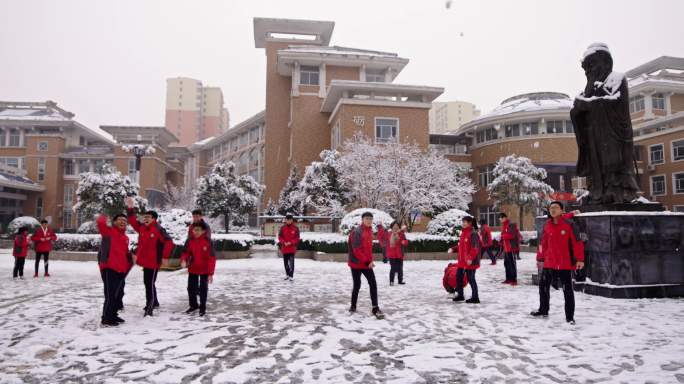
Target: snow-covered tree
{"x": 290, "y": 200}
{"x": 223, "y": 193}
{"x": 360, "y": 168}
{"x": 353, "y": 219}
{"x": 178, "y": 197}
{"x": 518, "y": 182}
{"x": 447, "y": 223}
{"x": 21, "y": 222}
{"x": 106, "y": 193}
{"x": 322, "y": 188}
{"x": 271, "y": 209}
{"x": 176, "y": 221}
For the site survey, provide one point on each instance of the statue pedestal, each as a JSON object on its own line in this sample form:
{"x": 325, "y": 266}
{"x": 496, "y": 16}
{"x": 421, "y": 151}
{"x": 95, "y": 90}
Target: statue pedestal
{"x": 633, "y": 254}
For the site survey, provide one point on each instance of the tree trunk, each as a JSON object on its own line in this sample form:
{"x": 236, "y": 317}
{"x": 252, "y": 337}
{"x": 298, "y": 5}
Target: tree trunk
{"x": 520, "y": 218}
{"x": 226, "y": 222}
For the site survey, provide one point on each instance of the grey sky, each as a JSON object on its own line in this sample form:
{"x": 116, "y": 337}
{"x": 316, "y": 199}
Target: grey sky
{"x": 107, "y": 61}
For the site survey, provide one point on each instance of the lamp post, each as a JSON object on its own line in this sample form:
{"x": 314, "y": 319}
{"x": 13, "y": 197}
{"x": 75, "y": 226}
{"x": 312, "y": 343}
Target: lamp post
{"x": 138, "y": 150}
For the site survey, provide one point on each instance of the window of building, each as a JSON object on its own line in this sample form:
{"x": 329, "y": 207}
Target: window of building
{"x": 490, "y": 215}
{"x": 68, "y": 195}
{"x": 10, "y": 161}
{"x": 554, "y": 126}
{"x": 386, "y": 130}
{"x": 656, "y": 154}
{"x": 244, "y": 139}
{"x": 99, "y": 165}
{"x": 66, "y": 218}
{"x": 69, "y": 167}
{"x": 569, "y": 128}
{"x": 336, "y": 135}
{"x": 658, "y": 100}
{"x": 512, "y": 130}
{"x": 491, "y": 134}
{"x": 531, "y": 128}
{"x": 636, "y": 104}
{"x": 3, "y": 137}
{"x": 254, "y": 135}
{"x": 658, "y": 185}
{"x": 131, "y": 168}
{"x": 42, "y": 146}
{"x": 486, "y": 175}
{"x": 41, "y": 169}
{"x": 308, "y": 74}
{"x": 678, "y": 150}
{"x": 375, "y": 75}
{"x": 253, "y": 158}
{"x": 83, "y": 165}
{"x": 39, "y": 208}
{"x": 678, "y": 182}
{"x": 14, "y": 137}
{"x": 678, "y": 208}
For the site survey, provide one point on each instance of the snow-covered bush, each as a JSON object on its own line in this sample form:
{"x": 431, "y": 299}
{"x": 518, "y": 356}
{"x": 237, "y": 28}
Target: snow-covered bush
{"x": 336, "y": 243}
{"x": 353, "y": 219}
{"x": 88, "y": 227}
{"x": 20, "y": 222}
{"x": 447, "y": 223}
{"x": 176, "y": 222}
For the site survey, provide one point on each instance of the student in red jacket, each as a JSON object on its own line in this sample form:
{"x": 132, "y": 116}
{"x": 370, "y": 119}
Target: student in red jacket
{"x": 43, "y": 238}
{"x": 197, "y": 217}
{"x": 468, "y": 260}
{"x": 19, "y": 252}
{"x": 199, "y": 258}
{"x": 486, "y": 238}
{"x": 509, "y": 240}
{"x": 154, "y": 245}
{"x": 115, "y": 261}
{"x": 560, "y": 253}
{"x": 288, "y": 238}
{"x": 395, "y": 242}
{"x": 517, "y": 241}
{"x": 361, "y": 262}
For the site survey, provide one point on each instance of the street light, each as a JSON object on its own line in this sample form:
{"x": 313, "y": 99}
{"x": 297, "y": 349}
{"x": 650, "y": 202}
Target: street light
{"x": 138, "y": 150}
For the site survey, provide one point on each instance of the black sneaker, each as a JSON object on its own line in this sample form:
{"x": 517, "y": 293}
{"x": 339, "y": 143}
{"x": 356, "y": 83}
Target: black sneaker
{"x": 202, "y": 312}
{"x": 191, "y": 310}
{"x": 473, "y": 301}
{"x": 352, "y": 309}
{"x": 119, "y": 320}
{"x": 391, "y": 283}
{"x": 402, "y": 283}
{"x": 458, "y": 298}
{"x": 539, "y": 314}
{"x": 149, "y": 312}
{"x": 571, "y": 321}
{"x": 109, "y": 323}
{"x": 378, "y": 314}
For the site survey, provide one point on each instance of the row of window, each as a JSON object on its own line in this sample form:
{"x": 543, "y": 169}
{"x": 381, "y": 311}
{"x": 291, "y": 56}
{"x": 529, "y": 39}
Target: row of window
{"x": 386, "y": 131}
{"x": 310, "y": 75}
{"x": 253, "y": 136}
{"x": 656, "y": 152}
{"x": 637, "y": 103}
{"x": 74, "y": 167}
{"x": 530, "y": 128}
{"x": 659, "y": 184}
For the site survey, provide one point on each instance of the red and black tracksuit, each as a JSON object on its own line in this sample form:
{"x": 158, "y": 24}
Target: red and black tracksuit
{"x": 201, "y": 261}
{"x": 486, "y": 237}
{"x": 43, "y": 239}
{"x": 19, "y": 251}
{"x": 154, "y": 245}
{"x": 114, "y": 260}
{"x": 468, "y": 261}
{"x": 360, "y": 257}
{"x": 509, "y": 238}
{"x": 560, "y": 250}
{"x": 289, "y": 233}
{"x": 395, "y": 253}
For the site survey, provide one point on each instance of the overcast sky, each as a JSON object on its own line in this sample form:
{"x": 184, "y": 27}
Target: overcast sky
{"x": 107, "y": 61}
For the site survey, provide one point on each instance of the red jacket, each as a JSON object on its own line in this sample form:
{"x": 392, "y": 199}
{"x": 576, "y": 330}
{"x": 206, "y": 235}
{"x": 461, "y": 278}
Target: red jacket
{"x": 113, "y": 253}
{"x": 154, "y": 244}
{"x": 396, "y": 252}
{"x": 469, "y": 249}
{"x": 509, "y": 237}
{"x": 20, "y": 245}
{"x": 486, "y": 236}
{"x": 560, "y": 247}
{"x": 39, "y": 235}
{"x": 288, "y": 233}
{"x": 360, "y": 247}
{"x": 199, "y": 255}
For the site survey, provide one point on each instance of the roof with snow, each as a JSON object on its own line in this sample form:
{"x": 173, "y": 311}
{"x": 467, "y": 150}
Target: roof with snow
{"x": 11, "y": 180}
{"x": 293, "y": 30}
{"x": 656, "y": 65}
{"x": 662, "y": 74}
{"x": 361, "y": 91}
{"x": 145, "y": 134}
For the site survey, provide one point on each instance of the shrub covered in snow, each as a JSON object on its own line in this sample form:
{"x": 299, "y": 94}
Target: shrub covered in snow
{"x": 336, "y": 243}
{"x": 90, "y": 243}
{"x": 22, "y": 221}
{"x": 88, "y": 227}
{"x": 447, "y": 223}
{"x": 176, "y": 222}
{"x": 353, "y": 219}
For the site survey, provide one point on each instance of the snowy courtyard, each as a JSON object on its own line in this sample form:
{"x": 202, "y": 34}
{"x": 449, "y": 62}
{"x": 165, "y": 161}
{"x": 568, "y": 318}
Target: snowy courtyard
{"x": 261, "y": 329}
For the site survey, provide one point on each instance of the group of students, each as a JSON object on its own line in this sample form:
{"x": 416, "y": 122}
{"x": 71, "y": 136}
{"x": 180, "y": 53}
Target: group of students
{"x": 42, "y": 239}
{"x": 153, "y": 251}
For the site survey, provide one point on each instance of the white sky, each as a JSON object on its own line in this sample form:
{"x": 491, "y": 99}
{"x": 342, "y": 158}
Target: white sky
{"x": 107, "y": 61}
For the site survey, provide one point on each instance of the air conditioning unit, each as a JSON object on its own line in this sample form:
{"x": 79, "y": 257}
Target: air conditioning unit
{"x": 651, "y": 167}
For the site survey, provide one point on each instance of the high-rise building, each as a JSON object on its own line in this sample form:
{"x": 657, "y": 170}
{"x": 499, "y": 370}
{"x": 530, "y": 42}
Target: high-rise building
{"x": 449, "y": 116}
{"x": 194, "y": 112}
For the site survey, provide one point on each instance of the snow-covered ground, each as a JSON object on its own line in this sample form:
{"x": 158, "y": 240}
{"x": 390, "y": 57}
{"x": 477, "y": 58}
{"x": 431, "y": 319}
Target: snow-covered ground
{"x": 261, "y": 329}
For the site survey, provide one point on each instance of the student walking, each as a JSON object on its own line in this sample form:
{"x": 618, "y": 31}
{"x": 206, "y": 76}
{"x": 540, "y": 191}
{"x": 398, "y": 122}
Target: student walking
{"x": 468, "y": 260}
{"x": 43, "y": 238}
{"x": 19, "y": 251}
{"x": 394, "y": 242}
{"x": 360, "y": 261}
{"x": 200, "y": 260}
{"x": 486, "y": 238}
{"x": 288, "y": 238}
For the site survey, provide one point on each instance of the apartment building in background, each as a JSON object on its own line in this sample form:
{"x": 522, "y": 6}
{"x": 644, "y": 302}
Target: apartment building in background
{"x": 449, "y": 116}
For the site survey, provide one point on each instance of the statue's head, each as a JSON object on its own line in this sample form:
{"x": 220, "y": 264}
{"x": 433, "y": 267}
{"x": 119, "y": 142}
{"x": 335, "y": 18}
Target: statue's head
{"x": 597, "y": 62}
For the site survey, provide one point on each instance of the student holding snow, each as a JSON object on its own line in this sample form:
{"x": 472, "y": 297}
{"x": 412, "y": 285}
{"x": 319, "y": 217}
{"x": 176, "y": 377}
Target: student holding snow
{"x": 468, "y": 260}
{"x": 394, "y": 242}
{"x": 154, "y": 245}
{"x": 361, "y": 262}
{"x": 200, "y": 260}
{"x": 288, "y": 238}
{"x": 43, "y": 238}
{"x": 114, "y": 260}
{"x": 486, "y": 238}
{"x": 560, "y": 253}
{"x": 19, "y": 252}
{"x": 509, "y": 240}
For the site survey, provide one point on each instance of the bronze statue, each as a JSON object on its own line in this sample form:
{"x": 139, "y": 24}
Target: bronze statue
{"x": 603, "y": 130}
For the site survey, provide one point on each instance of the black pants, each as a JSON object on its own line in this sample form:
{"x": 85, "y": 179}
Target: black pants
{"x": 18, "y": 266}
{"x": 510, "y": 264}
{"x": 45, "y": 260}
{"x": 471, "y": 280}
{"x": 119, "y": 298}
{"x": 198, "y": 284}
{"x": 113, "y": 282}
{"x": 548, "y": 276}
{"x": 150, "y": 279}
{"x": 370, "y": 277}
{"x": 288, "y": 261}
{"x": 396, "y": 267}
{"x": 489, "y": 252}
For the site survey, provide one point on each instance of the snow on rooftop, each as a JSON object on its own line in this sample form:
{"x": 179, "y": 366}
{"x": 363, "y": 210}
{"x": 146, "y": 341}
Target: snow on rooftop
{"x": 532, "y": 102}
{"x": 337, "y": 50}
{"x": 30, "y": 114}
{"x": 202, "y": 142}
